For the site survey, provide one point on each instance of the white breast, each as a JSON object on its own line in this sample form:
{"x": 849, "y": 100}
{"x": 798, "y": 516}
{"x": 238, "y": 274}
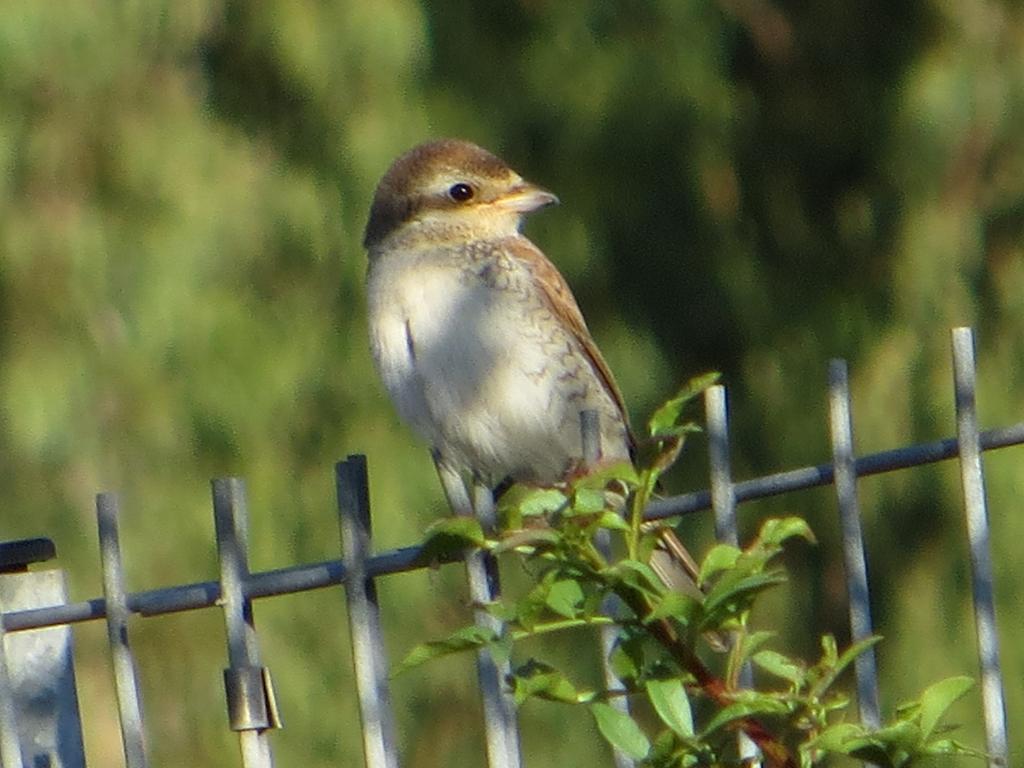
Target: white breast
{"x": 486, "y": 376}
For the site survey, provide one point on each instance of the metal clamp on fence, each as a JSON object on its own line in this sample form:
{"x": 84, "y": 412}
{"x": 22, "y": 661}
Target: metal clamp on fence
{"x": 252, "y": 705}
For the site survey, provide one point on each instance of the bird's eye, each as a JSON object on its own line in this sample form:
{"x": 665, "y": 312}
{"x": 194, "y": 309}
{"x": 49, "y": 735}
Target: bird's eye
{"x": 460, "y": 192}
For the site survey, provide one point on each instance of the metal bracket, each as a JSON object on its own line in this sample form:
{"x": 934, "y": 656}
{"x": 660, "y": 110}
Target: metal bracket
{"x": 252, "y": 705}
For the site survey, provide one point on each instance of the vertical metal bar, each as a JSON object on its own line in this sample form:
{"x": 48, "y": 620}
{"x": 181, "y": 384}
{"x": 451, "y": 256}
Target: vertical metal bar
{"x": 10, "y": 743}
{"x": 590, "y": 433}
{"x": 126, "y": 682}
{"x": 723, "y": 498}
{"x": 590, "y": 437}
{"x": 973, "y": 480}
{"x": 502, "y": 734}
{"x": 841, "y": 427}
{"x": 368, "y": 655}
{"x": 231, "y": 523}
{"x": 723, "y": 504}
{"x": 500, "y": 717}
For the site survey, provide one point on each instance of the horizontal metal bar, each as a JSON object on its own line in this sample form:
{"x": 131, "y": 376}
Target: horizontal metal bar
{"x": 206, "y": 594}
{"x": 300, "y": 578}
{"x": 187, "y": 597}
{"x": 822, "y": 474}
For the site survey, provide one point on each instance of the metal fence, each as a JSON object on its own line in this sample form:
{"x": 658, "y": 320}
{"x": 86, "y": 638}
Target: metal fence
{"x": 39, "y": 724}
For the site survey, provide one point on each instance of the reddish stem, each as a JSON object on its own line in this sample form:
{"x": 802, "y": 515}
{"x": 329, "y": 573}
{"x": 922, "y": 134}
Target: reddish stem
{"x": 775, "y": 753}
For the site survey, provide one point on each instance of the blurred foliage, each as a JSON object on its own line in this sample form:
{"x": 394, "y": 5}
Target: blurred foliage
{"x": 752, "y": 186}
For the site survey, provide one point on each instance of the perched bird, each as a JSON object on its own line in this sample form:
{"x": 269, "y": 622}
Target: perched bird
{"x": 474, "y": 332}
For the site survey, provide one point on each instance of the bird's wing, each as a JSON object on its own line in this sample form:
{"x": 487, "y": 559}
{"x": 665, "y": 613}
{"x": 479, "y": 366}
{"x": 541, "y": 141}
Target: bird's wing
{"x": 671, "y": 560}
{"x": 562, "y": 304}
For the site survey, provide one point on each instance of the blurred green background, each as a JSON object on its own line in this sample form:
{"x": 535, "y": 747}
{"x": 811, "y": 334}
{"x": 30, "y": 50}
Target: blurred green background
{"x": 752, "y": 186}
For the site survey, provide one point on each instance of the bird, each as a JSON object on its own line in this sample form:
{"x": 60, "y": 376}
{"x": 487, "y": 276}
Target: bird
{"x": 475, "y": 333}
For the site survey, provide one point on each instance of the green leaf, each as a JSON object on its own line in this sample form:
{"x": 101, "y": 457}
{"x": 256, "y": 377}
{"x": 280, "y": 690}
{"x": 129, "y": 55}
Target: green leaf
{"x": 674, "y": 605}
{"x": 678, "y": 431}
{"x": 669, "y": 699}
{"x": 501, "y": 649}
{"x": 781, "y": 666}
{"x": 837, "y": 738}
{"x": 593, "y": 601}
{"x": 635, "y": 574}
{"x": 776, "y": 531}
{"x": 648, "y": 543}
{"x": 620, "y": 472}
{"x": 738, "y": 593}
{"x": 750, "y": 706}
{"x": 953, "y": 747}
{"x": 751, "y": 642}
{"x": 465, "y": 528}
{"x": 513, "y": 497}
{"x": 449, "y": 538}
{"x": 829, "y": 650}
{"x": 720, "y": 558}
{"x": 663, "y": 751}
{"x": 503, "y": 611}
{"x": 532, "y": 539}
{"x": 901, "y": 735}
{"x": 588, "y": 501}
{"x": 874, "y": 753}
{"x": 542, "y": 681}
{"x": 938, "y": 698}
{"x": 564, "y": 598}
{"x": 851, "y": 653}
{"x": 620, "y": 730}
{"x": 832, "y": 665}
{"x": 532, "y": 606}
{"x": 613, "y": 521}
{"x": 664, "y": 419}
{"x": 653, "y": 457}
{"x": 852, "y": 739}
{"x": 463, "y": 639}
{"x": 667, "y": 416}
{"x": 626, "y": 660}
{"x": 542, "y": 501}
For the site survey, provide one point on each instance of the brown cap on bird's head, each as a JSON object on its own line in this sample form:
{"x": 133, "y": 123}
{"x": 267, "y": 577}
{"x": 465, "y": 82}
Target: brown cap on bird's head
{"x": 449, "y": 176}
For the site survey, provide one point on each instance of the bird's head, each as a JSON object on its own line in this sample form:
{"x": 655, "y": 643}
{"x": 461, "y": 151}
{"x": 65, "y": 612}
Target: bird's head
{"x": 451, "y": 188}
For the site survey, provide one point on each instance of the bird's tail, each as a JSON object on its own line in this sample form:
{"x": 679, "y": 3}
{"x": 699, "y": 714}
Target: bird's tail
{"x": 678, "y": 569}
{"x": 674, "y": 564}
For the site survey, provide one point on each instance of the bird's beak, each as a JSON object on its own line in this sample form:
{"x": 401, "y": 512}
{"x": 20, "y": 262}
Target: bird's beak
{"x": 525, "y": 197}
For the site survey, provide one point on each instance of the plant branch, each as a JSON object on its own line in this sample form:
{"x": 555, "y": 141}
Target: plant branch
{"x": 775, "y": 753}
